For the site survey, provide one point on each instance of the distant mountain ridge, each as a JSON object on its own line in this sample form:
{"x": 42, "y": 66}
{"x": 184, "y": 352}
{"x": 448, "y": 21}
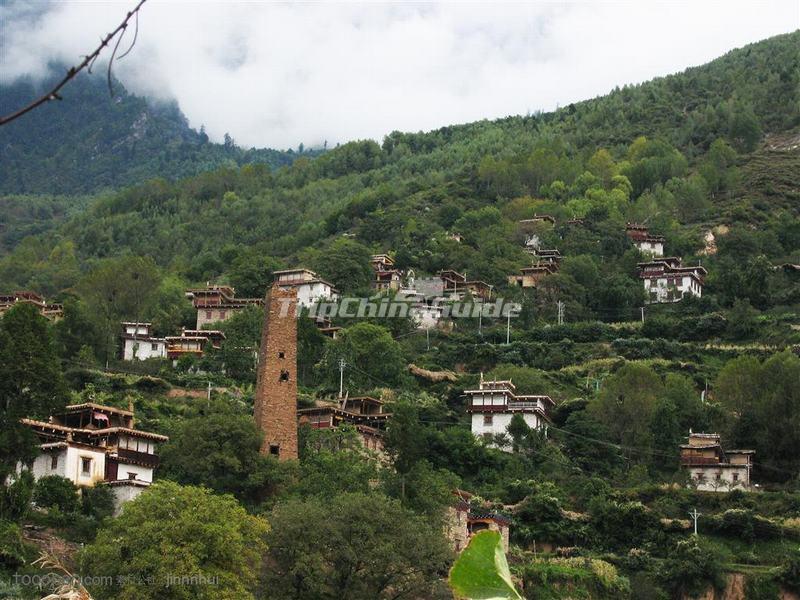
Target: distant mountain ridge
{"x": 90, "y": 141}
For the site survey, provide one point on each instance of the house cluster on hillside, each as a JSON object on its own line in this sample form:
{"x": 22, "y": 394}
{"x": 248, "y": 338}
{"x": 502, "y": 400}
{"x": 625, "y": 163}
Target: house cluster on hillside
{"x": 48, "y": 310}
{"x": 92, "y": 444}
{"x": 216, "y": 304}
{"x": 139, "y": 343}
{"x": 713, "y": 469}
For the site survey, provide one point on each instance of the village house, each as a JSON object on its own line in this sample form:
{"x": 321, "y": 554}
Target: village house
{"x": 386, "y": 276}
{"x": 539, "y": 219}
{"x": 192, "y": 342}
{"x": 92, "y": 444}
{"x": 455, "y": 286}
{"x": 138, "y": 342}
{"x": 652, "y": 245}
{"x": 464, "y": 519}
{"x": 665, "y": 280}
{"x": 364, "y": 413}
{"x": 216, "y": 303}
{"x": 713, "y": 469}
{"x": 494, "y": 403}
{"x": 50, "y": 311}
{"x": 548, "y": 262}
{"x": 308, "y": 286}
{"x": 326, "y": 327}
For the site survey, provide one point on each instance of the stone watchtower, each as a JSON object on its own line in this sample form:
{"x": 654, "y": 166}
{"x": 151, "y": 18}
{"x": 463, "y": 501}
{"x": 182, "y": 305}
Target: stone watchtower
{"x": 276, "y": 387}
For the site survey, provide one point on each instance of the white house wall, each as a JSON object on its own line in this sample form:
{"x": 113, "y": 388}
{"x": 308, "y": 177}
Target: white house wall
{"x": 143, "y": 349}
{"x": 73, "y": 470}
{"x": 500, "y": 423}
{"x": 42, "y": 464}
{"x": 709, "y": 482}
{"x": 142, "y": 473}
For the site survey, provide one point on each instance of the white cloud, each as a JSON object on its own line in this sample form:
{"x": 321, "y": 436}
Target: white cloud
{"x": 275, "y": 74}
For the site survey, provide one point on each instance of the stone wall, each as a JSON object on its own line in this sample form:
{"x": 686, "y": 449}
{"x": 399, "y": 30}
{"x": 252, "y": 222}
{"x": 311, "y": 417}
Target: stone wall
{"x": 276, "y": 389}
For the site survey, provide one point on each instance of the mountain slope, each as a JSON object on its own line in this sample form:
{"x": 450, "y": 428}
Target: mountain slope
{"x": 90, "y": 141}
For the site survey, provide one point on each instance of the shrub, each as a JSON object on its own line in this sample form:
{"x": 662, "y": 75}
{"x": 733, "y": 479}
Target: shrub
{"x": 98, "y": 502}
{"x": 761, "y": 587}
{"x": 15, "y": 498}
{"x": 56, "y": 492}
{"x": 790, "y": 571}
{"x": 690, "y": 567}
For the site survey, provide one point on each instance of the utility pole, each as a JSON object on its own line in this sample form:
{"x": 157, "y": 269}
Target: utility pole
{"x": 560, "y": 305}
{"x": 508, "y": 329}
{"x": 480, "y": 320}
{"x": 643, "y": 315}
{"x": 695, "y": 515}
{"x": 342, "y": 365}
{"x": 428, "y": 336}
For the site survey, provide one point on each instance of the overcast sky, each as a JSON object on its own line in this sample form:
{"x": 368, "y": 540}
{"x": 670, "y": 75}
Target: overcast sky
{"x": 275, "y": 74}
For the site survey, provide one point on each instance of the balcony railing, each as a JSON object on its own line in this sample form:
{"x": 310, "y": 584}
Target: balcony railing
{"x": 697, "y": 461}
{"x": 143, "y": 458}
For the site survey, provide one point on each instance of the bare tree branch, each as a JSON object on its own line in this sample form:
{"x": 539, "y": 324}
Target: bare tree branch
{"x": 88, "y": 61}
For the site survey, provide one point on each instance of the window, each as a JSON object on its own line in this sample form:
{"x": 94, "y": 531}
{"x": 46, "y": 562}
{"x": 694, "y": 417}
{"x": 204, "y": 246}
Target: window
{"x": 54, "y": 461}
{"x": 131, "y": 476}
{"x": 154, "y": 347}
{"x": 487, "y": 419}
{"x": 281, "y": 355}
{"x": 208, "y": 314}
{"x": 86, "y": 466}
{"x": 221, "y": 315}
{"x": 274, "y": 449}
{"x": 284, "y": 375}
{"x": 736, "y": 477}
{"x": 718, "y": 477}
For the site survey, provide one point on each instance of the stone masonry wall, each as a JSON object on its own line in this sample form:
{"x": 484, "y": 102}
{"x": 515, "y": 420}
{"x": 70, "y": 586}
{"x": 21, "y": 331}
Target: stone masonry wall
{"x": 276, "y": 388}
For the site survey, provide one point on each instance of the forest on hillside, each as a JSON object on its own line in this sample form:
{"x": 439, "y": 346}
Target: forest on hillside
{"x": 598, "y": 502}
{"x": 107, "y": 139}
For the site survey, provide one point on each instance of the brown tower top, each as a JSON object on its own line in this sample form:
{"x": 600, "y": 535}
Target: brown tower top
{"x": 276, "y": 387}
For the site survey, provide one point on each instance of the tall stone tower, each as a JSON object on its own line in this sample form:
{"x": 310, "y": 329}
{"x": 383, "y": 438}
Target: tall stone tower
{"x": 276, "y": 387}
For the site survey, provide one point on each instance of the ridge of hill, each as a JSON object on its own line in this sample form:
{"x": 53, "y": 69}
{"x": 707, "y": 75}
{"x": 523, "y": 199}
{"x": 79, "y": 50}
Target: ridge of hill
{"x": 90, "y": 141}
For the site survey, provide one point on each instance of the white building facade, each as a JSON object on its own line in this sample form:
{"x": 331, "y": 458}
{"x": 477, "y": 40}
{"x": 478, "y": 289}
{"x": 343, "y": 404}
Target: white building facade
{"x": 138, "y": 342}
{"x": 713, "y": 469}
{"x": 665, "y": 280}
{"x": 92, "y": 444}
{"x": 495, "y": 403}
{"x": 310, "y": 288}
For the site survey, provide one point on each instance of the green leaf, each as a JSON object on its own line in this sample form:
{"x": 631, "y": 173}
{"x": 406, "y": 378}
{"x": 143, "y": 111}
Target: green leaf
{"x": 481, "y": 572}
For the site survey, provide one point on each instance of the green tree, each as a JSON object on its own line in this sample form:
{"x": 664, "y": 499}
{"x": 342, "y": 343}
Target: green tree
{"x": 56, "y": 492}
{"x": 31, "y": 383}
{"x": 220, "y": 450}
{"x": 626, "y": 404}
{"x": 373, "y": 358}
{"x": 360, "y": 546}
{"x": 251, "y": 273}
{"x": 239, "y": 350}
{"x": 666, "y": 432}
{"x": 517, "y": 429}
{"x": 346, "y": 264}
{"x": 119, "y": 289}
{"x": 178, "y": 531}
{"x": 333, "y": 461}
